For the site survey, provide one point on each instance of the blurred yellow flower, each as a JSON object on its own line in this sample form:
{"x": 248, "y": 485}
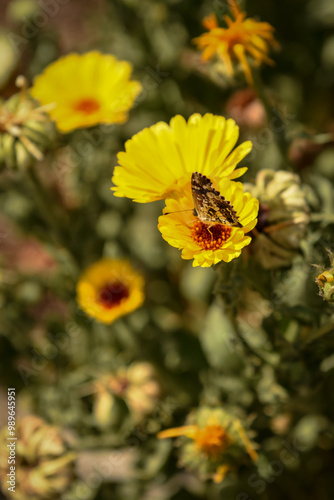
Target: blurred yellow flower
{"x": 160, "y": 159}
{"x": 242, "y": 38}
{"x": 213, "y": 443}
{"x": 110, "y": 288}
{"x": 86, "y": 90}
{"x": 209, "y": 244}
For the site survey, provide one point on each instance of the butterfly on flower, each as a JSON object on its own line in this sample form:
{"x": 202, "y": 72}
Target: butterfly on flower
{"x": 210, "y": 206}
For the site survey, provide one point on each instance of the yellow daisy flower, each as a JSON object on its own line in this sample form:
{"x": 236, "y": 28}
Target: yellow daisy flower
{"x": 241, "y": 38}
{"x": 110, "y": 288}
{"x": 160, "y": 159}
{"x": 209, "y": 244}
{"x": 86, "y": 90}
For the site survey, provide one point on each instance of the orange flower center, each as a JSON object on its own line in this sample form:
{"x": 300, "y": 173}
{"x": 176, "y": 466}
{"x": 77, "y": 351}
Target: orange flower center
{"x": 87, "y": 106}
{"x": 212, "y": 440}
{"x": 119, "y": 384}
{"x": 235, "y": 34}
{"x": 210, "y": 237}
{"x": 112, "y": 294}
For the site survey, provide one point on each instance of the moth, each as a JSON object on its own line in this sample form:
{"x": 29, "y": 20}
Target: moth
{"x": 209, "y": 205}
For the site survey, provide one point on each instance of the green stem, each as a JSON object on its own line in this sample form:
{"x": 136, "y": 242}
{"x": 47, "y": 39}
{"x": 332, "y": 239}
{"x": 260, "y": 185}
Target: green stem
{"x": 275, "y": 120}
{"x": 322, "y": 217}
{"x": 43, "y": 202}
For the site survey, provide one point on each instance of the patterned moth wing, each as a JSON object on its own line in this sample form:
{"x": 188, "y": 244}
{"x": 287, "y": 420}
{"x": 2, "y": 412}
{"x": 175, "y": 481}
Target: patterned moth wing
{"x": 210, "y": 206}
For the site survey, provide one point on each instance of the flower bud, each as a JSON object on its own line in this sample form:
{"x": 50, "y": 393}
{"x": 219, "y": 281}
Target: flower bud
{"x": 25, "y": 131}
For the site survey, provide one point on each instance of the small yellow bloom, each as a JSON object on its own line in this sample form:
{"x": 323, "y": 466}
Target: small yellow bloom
{"x": 86, "y": 90}
{"x": 213, "y": 444}
{"x": 243, "y": 38}
{"x": 325, "y": 281}
{"x": 160, "y": 159}
{"x": 209, "y": 244}
{"x": 109, "y": 289}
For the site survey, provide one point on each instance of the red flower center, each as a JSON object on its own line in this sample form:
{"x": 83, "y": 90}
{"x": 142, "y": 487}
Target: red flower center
{"x": 210, "y": 237}
{"x": 112, "y": 294}
{"x": 87, "y": 106}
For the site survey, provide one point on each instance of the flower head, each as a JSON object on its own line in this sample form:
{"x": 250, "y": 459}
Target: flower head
{"x": 136, "y": 385}
{"x": 283, "y": 217}
{"x": 213, "y": 443}
{"x": 86, "y": 90}
{"x": 244, "y": 38}
{"x": 160, "y": 159}
{"x": 208, "y": 244}
{"x": 109, "y": 289}
{"x": 44, "y": 466}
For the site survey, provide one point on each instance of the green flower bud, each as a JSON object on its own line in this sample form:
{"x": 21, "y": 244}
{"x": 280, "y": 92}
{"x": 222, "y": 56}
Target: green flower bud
{"x": 26, "y": 131}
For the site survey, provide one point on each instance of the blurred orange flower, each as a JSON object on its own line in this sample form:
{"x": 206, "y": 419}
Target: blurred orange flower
{"x": 243, "y": 38}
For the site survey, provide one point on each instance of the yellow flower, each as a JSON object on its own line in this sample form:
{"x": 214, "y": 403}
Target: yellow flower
{"x": 241, "y": 38}
{"x": 160, "y": 159}
{"x": 86, "y": 90}
{"x": 209, "y": 244}
{"x": 109, "y": 289}
{"x": 213, "y": 444}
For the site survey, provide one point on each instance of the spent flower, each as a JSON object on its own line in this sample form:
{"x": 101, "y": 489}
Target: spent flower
{"x": 243, "y": 41}
{"x": 110, "y": 288}
{"x": 136, "y": 385}
{"x": 213, "y": 443}
{"x": 44, "y": 467}
{"x": 87, "y": 89}
{"x": 283, "y": 217}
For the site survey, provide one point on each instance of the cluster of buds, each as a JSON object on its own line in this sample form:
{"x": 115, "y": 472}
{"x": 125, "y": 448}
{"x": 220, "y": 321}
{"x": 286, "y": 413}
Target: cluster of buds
{"x": 136, "y": 385}
{"x": 213, "y": 443}
{"x": 25, "y": 130}
{"x": 325, "y": 281}
{"x": 43, "y": 464}
{"x": 283, "y": 217}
